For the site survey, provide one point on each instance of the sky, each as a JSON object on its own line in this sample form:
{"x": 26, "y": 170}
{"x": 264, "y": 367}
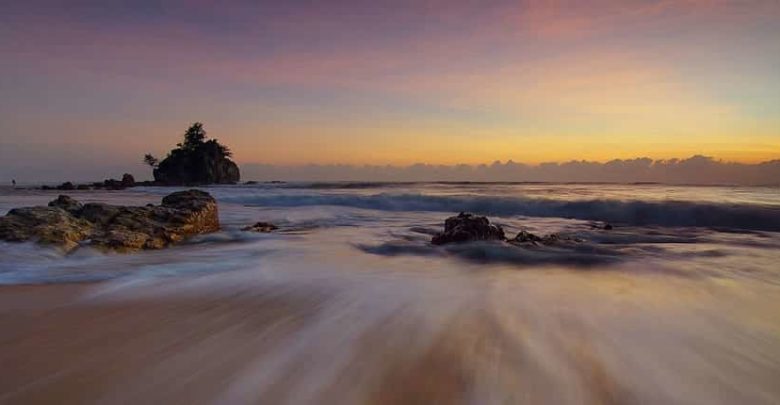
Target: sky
{"x": 86, "y": 88}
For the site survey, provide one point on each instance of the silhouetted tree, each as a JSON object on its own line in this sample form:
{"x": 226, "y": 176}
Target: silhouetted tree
{"x": 221, "y": 149}
{"x": 194, "y": 137}
{"x": 151, "y": 160}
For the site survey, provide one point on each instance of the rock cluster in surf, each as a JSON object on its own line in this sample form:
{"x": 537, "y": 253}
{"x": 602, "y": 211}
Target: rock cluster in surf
{"x": 67, "y": 223}
{"x": 109, "y": 184}
{"x": 467, "y": 227}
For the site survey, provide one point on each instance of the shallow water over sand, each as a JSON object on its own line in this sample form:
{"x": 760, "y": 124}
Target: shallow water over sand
{"x": 348, "y": 303}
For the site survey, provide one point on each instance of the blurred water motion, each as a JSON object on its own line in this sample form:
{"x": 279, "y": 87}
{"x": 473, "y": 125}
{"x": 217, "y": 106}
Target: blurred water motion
{"x": 349, "y": 304}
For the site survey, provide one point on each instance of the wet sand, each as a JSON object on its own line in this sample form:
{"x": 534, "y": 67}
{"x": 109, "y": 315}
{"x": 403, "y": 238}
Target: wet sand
{"x": 58, "y": 345}
{"x": 175, "y": 341}
{"x": 58, "y": 348}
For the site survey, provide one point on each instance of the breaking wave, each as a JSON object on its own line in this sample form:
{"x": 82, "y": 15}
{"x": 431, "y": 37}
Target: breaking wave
{"x": 663, "y": 213}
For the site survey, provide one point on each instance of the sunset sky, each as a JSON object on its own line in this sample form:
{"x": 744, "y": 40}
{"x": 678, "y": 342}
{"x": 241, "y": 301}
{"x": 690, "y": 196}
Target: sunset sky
{"x": 94, "y": 85}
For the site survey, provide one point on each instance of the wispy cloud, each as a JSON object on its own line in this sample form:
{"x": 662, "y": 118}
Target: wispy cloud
{"x": 394, "y": 82}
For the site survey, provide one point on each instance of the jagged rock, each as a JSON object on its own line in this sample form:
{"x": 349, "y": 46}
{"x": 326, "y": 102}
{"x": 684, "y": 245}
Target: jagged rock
{"x": 192, "y": 209}
{"x": 99, "y": 213}
{"x": 128, "y": 180}
{"x": 66, "y": 203}
{"x": 66, "y": 223}
{"x": 466, "y": 227}
{"x": 525, "y": 237}
{"x": 261, "y": 227}
{"x": 47, "y": 225}
{"x": 66, "y": 186}
{"x": 113, "y": 184}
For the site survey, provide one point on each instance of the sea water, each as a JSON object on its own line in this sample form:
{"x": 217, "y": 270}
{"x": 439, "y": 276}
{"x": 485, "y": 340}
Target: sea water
{"x": 678, "y": 303}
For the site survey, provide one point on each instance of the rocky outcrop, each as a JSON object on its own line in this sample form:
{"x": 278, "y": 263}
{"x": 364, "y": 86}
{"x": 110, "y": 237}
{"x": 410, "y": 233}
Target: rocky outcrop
{"x": 66, "y": 203}
{"x": 261, "y": 227}
{"x": 466, "y": 227}
{"x": 66, "y": 186}
{"x": 206, "y": 164}
{"x": 68, "y": 224}
{"x": 47, "y": 225}
{"x": 128, "y": 180}
{"x": 109, "y": 184}
{"x": 525, "y": 237}
{"x": 113, "y": 184}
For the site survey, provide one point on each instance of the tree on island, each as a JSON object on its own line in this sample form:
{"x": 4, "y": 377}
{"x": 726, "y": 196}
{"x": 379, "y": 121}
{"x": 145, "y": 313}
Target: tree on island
{"x": 151, "y": 160}
{"x": 194, "y": 137}
{"x": 196, "y": 160}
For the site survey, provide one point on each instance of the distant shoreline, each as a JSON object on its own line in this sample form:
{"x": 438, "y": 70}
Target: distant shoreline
{"x": 52, "y": 186}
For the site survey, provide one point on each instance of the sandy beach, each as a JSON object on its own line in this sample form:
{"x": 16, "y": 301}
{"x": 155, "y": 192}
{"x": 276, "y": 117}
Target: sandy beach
{"x": 60, "y": 347}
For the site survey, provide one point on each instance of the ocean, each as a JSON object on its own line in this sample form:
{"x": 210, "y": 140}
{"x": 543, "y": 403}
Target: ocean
{"x": 678, "y": 303}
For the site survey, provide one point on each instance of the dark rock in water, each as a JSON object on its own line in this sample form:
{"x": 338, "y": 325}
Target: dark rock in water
{"x": 128, "y": 180}
{"x": 66, "y": 186}
{"x": 82, "y": 187}
{"x": 599, "y": 225}
{"x": 261, "y": 227}
{"x": 113, "y": 184}
{"x": 525, "y": 237}
{"x": 466, "y": 227}
{"x": 250, "y": 182}
{"x": 204, "y": 165}
{"x": 66, "y": 223}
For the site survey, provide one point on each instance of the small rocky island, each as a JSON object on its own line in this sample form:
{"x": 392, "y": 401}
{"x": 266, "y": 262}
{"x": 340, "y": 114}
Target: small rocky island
{"x": 195, "y": 161}
{"x": 68, "y": 224}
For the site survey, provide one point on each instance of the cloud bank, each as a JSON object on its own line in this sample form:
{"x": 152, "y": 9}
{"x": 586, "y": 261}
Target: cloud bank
{"x": 697, "y": 169}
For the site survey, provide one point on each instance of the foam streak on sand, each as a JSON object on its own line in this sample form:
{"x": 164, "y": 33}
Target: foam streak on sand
{"x": 346, "y": 304}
